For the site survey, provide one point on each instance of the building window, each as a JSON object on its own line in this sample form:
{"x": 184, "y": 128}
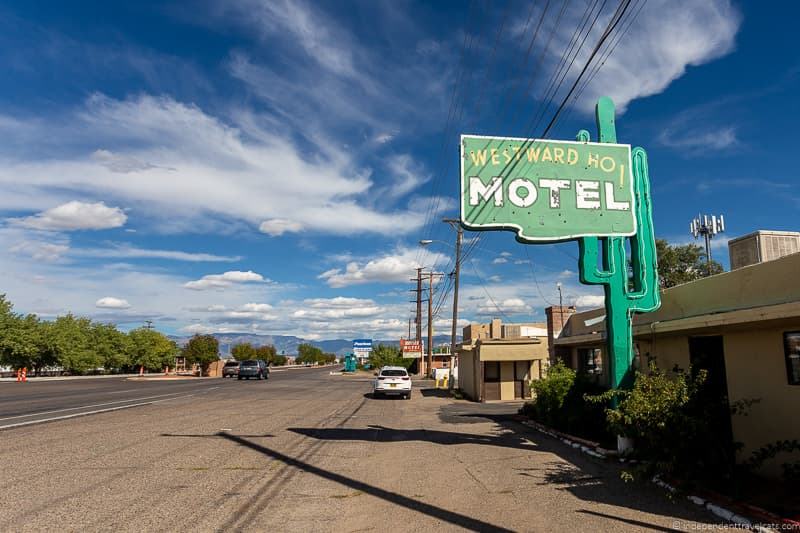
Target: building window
{"x": 791, "y": 348}
{"x": 491, "y": 371}
{"x": 590, "y": 361}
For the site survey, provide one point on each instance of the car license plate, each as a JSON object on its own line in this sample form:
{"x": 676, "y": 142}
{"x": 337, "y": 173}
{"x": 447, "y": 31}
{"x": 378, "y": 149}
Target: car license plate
{"x": 393, "y": 385}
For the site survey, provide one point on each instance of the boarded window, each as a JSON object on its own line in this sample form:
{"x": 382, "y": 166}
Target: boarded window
{"x": 791, "y": 347}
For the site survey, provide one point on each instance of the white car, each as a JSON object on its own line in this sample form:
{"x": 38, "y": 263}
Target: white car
{"x": 392, "y": 380}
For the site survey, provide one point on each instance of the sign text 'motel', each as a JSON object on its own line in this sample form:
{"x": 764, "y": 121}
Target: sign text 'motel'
{"x": 595, "y": 193}
{"x": 547, "y": 190}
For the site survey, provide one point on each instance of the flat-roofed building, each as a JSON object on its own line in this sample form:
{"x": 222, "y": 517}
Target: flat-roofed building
{"x": 742, "y": 326}
{"x": 497, "y": 362}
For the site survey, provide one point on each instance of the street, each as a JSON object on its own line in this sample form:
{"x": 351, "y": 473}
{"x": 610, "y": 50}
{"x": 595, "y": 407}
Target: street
{"x": 304, "y": 451}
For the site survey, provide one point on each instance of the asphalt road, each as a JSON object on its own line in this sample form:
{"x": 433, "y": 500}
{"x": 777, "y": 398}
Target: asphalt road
{"x": 39, "y": 401}
{"x": 304, "y": 451}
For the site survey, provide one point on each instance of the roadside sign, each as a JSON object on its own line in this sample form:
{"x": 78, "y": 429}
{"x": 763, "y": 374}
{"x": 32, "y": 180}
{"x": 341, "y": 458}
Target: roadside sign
{"x": 547, "y": 190}
{"x": 411, "y": 349}
{"x": 595, "y": 193}
{"x": 362, "y": 348}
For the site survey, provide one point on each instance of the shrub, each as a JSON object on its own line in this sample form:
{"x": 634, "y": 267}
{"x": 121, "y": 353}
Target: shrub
{"x": 679, "y": 428}
{"x": 791, "y": 470}
{"x": 550, "y": 393}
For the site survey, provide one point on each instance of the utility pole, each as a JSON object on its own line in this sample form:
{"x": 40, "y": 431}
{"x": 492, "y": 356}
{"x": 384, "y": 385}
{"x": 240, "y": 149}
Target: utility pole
{"x": 455, "y": 223}
{"x": 560, "y": 305}
{"x": 418, "y": 319}
{"x": 430, "y": 323}
{"x": 419, "y": 304}
{"x": 708, "y": 227}
{"x": 430, "y": 275}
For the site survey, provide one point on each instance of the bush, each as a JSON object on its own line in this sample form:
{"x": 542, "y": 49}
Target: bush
{"x": 550, "y": 393}
{"x": 679, "y": 428}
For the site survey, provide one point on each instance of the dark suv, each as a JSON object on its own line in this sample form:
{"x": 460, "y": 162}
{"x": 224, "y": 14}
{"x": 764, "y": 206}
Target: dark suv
{"x": 230, "y": 369}
{"x": 253, "y": 368}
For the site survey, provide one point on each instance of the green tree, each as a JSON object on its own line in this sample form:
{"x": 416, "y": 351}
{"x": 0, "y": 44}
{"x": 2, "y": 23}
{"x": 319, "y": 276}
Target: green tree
{"x": 69, "y": 337}
{"x": 243, "y": 351}
{"x": 111, "y": 345}
{"x": 22, "y": 341}
{"x": 678, "y": 264}
{"x": 267, "y": 352}
{"x": 201, "y": 349}
{"x": 279, "y": 360}
{"x": 385, "y": 355}
{"x": 151, "y": 349}
{"x": 308, "y": 353}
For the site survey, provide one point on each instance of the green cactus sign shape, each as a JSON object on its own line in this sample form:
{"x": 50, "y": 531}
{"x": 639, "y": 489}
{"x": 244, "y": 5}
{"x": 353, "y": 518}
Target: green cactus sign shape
{"x": 597, "y": 193}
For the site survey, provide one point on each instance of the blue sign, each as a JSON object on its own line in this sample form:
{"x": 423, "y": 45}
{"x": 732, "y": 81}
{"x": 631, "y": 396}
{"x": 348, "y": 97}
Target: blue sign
{"x": 362, "y": 348}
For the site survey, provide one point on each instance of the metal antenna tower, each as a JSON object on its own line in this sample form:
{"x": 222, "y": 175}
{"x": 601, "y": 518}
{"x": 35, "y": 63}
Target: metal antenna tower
{"x": 708, "y": 227}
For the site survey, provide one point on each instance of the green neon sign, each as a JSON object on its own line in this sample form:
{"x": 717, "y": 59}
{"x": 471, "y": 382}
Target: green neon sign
{"x": 547, "y": 190}
{"x": 596, "y": 193}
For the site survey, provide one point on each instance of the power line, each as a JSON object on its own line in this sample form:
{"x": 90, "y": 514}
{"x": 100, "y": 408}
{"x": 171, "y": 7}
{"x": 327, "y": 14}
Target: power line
{"x": 480, "y": 279}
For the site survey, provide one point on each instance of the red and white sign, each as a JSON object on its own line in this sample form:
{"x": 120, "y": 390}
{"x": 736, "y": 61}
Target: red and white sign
{"x": 412, "y": 349}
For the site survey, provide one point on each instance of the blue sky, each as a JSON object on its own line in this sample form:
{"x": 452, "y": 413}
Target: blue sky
{"x": 268, "y": 167}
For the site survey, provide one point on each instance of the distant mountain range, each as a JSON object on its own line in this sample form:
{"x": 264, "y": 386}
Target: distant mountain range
{"x": 288, "y": 344}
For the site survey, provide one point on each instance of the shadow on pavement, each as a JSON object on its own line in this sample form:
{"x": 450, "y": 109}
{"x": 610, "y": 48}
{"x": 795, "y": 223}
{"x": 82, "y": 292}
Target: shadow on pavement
{"x": 392, "y": 497}
{"x": 435, "y": 393}
{"x": 374, "y": 433}
{"x": 371, "y": 396}
{"x": 638, "y": 523}
{"x": 587, "y": 479}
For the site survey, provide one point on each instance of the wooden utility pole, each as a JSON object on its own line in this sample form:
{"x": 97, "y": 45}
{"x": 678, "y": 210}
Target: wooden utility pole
{"x": 455, "y": 223}
{"x": 431, "y": 275}
{"x": 430, "y": 323}
{"x": 419, "y": 304}
{"x": 418, "y": 318}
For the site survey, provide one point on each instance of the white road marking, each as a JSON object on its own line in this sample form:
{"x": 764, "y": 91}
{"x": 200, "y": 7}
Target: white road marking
{"x": 93, "y": 405}
{"x": 75, "y": 415}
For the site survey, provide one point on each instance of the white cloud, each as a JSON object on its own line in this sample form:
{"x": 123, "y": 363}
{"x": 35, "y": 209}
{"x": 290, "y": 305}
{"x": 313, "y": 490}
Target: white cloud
{"x": 256, "y": 308}
{"x": 668, "y": 37}
{"x": 75, "y": 215}
{"x": 499, "y": 261}
{"x": 697, "y": 141}
{"x": 383, "y": 138}
{"x": 278, "y": 226}
{"x": 225, "y": 280}
{"x": 495, "y": 279}
{"x": 40, "y": 250}
{"x": 407, "y": 174}
{"x": 395, "y": 267}
{"x": 590, "y": 301}
{"x": 118, "y": 250}
{"x": 109, "y": 302}
{"x": 120, "y": 163}
{"x": 337, "y": 302}
{"x": 224, "y": 173}
{"x": 508, "y": 306}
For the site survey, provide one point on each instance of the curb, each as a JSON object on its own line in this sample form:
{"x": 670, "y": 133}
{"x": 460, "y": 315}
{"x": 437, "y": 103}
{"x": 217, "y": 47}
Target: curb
{"x": 594, "y": 449}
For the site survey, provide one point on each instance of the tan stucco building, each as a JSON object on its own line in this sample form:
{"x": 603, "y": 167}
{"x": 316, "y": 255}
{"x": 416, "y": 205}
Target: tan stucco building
{"x": 743, "y": 326}
{"x": 497, "y": 362}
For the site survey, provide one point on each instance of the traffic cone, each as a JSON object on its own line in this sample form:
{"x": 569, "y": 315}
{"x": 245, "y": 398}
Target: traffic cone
{"x": 24, "y": 374}
{"x": 19, "y": 375}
